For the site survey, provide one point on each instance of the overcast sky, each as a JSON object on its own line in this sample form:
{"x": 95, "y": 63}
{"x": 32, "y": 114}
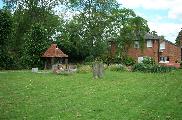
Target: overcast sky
{"x": 163, "y": 16}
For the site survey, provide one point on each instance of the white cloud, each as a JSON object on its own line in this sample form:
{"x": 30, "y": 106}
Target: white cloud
{"x": 147, "y": 4}
{"x": 172, "y": 7}
{"x": 169, "y": 30}
{"x": 175, "y": 13}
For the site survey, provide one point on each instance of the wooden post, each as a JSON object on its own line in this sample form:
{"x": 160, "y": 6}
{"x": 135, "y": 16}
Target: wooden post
{"x": 66, "y": 62}
{"x": 45, "y": 67}
{"x": 52, "y": 61}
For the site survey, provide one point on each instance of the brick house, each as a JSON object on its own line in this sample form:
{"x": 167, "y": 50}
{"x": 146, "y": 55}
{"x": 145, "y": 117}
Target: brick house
{"x": 163, "y": 51}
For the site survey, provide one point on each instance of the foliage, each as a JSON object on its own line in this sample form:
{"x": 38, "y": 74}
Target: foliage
{"x": 46, "y": 4}
{"x": 148, "y": 65}
{"x": 117, "y": 60}
{"x": 84, "y": 69}
{"x": 83, "y": 36}
{"x": 152, "y": 68}
{"x": 89, "y": 58}
{"x": 178, "y": 38}
{"x": 128, "y": 61}
{"x": 6, "y": 62}
{"x": 36, "y": 43}
{"x": 128, "y": 27}
{"x": 116, "y": 67}
{"x": 148, "y": 61}
{"x": 6, "y": 27}
{"x": 26, "y": 14}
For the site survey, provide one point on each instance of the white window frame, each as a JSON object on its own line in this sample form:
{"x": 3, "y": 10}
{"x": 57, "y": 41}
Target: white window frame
{"x": 149, "y": 43}
{"x": 136, "y": 44}
{"x": 162, "y": 45}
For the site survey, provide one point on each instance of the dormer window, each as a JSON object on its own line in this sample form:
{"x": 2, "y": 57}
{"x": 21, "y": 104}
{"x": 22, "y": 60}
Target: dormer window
{"x": 136, "y": 44}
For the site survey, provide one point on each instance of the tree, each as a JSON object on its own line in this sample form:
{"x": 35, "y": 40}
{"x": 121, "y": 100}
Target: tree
{"x": 28, "y": 13}
{"x": 101, "y": 21}
{"x": 6, "y": 24}
{"x": 127, "y": 28}
{"x": 179, "y": 38}
{"x": 37, "y": 42}
{"x": 90, "y": 25}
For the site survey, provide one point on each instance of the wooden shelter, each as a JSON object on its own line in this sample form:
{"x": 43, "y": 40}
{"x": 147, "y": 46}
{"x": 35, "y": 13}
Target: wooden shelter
{"x": 53, "y": 55}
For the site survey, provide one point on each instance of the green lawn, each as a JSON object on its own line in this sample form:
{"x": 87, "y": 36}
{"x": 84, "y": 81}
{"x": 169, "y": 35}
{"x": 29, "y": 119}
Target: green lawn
{"x": 119, "y": 95}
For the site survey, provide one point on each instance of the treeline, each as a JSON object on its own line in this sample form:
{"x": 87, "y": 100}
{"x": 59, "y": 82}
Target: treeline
{"x": 28, "y": 27}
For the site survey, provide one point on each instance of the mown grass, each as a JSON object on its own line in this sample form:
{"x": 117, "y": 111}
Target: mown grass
{"x": 119, "y": 95}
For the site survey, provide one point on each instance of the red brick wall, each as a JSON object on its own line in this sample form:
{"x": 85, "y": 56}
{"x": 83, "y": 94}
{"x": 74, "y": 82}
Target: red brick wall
{"x": 172, "y": 51}
{"x": 150, "y": 52}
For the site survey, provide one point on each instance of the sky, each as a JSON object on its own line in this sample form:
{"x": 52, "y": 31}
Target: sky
{"x": 1, "y": 4}
{"x": 163, "y": 16}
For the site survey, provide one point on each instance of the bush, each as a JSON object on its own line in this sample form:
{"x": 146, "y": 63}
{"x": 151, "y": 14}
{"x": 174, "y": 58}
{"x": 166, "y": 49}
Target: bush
{"x": 116, "y": 67}
{"x": 6, "y": 62}
{"x": 89, "y": 58}
{"x": 128, "y": 61}
{"x": 148, "y": 61}
{"x": 152, "y": 68}
{"x": 117, "y": 60}
{"x": 84, "y": 69}
{"x": 181, "y": 65}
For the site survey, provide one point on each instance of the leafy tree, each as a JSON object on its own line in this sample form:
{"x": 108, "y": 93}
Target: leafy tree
{"x": 87, "y": 29}
{"x": 97, "y": 23}
{"x": 36, "y": 43}
{"x": 127, "y": 28}
{"x": 27, "y": 13}
{"x": 6, "y": 24}
{"x": 179, "y": 38}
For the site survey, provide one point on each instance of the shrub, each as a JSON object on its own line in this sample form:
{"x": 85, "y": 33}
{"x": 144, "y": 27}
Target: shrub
{"x": 128, "y": 61}
{"x": 117, "y": 60}
{"x": 6, "y": 62}
{"x": 89, "y": 58}
{"x": 148, "y": 61}
{"x": 152, "y": 68}
{"x": 116, "y": 67}
{"x": 84, "y": 69}
{"x": 181, "y": 65}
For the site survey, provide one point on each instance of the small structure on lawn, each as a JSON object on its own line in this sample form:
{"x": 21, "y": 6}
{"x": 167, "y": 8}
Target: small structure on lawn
{"x": 54, "y": 55}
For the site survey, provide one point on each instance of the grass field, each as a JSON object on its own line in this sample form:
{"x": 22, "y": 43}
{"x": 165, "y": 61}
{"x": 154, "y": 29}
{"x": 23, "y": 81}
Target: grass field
{"x": 119, "y": 95}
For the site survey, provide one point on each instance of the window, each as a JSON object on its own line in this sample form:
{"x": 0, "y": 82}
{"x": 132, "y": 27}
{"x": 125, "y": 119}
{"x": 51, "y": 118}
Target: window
{"x": 162, "y": 45}
{"x": 149, "y": 43}
{"x": 136, "y": 44}
{"x": 164, "y": 59}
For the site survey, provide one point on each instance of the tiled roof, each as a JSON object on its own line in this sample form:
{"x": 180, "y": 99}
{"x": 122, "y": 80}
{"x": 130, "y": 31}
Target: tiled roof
{"x": 169, "y": 42}
{"x": 149, "y": 36}
{"x": 54, "y": 51}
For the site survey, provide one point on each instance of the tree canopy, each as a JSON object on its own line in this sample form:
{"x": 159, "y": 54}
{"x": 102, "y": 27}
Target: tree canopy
{"x": 84, "y": 36}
